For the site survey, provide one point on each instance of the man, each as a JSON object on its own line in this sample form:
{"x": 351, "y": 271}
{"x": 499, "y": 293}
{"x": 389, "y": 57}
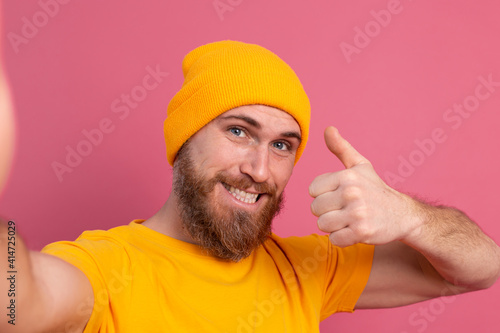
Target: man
{"x": 208, "y": 262}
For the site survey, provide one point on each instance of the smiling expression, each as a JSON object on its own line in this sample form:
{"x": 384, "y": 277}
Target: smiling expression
{"x": 230, "y": 178}
{"x": 254, "y": 142}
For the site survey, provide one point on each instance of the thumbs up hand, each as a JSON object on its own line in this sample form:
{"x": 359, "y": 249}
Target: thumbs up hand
{"x": 355, "y": 205}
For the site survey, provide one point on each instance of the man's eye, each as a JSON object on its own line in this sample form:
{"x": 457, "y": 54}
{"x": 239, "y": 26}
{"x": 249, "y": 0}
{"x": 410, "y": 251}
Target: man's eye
{"x": 237, "y": 131}
{"x": 281, "y": 145}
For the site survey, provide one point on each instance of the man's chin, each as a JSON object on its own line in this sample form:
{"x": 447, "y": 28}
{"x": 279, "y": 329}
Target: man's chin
{"x": 228, "y": 252}
{"x": 225, "y": 227}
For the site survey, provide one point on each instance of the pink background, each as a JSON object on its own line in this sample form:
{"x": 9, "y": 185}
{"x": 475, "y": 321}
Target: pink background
{"x": 66, "y": 75}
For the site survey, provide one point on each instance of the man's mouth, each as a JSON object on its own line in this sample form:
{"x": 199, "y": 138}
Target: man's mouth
{"x": 242, "y": 195}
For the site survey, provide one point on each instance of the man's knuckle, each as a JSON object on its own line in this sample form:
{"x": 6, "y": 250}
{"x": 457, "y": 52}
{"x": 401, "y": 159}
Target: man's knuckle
{"x": 351, "y": 193}
{"x": 349, "y": 176}
{"x": 312, "y": 188}
{"x": 314, "y": 209}
{"x": 323, "y": 223}
{"x": 360, "y": 215}
{"x": 364, "y": 230}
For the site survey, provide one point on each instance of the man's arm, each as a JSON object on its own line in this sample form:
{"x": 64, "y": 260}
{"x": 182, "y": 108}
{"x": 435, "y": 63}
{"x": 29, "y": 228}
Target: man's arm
{"x": 421, "y": 251}
{"x": 47, "y": 292}
{"x": 449, "y": 255}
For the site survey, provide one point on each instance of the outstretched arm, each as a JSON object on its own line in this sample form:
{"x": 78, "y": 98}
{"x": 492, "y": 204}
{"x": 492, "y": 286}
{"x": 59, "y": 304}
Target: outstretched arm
{"x": 39, "y": 292}
{"x": 422, "y": 251}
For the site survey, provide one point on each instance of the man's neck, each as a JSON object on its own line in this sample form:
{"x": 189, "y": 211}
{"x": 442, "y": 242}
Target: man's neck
{"x": 168, "y": 221}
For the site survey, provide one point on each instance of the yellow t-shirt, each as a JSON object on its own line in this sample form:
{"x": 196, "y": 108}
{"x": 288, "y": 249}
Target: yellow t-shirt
{"x": 144, "y": 281}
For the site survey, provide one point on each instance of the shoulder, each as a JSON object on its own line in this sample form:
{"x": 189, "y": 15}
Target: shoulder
{"x": 318, "y": 249}
{"x": 94, "y": 248}
{"x": 303, "y": 250}
{"x": 299, "y": 244}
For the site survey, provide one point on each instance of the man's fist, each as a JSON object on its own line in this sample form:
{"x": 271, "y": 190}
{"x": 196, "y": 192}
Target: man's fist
{"x": 355, "y": 205}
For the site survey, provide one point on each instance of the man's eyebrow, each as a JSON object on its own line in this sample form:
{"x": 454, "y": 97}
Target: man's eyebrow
{"x": 256, "y": 124}
{"x": 249, "y": 120}
{"x": 292, "y": 135}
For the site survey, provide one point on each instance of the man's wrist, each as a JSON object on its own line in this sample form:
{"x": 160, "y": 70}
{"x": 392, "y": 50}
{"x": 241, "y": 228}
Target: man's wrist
{"x": 419, "y": 218}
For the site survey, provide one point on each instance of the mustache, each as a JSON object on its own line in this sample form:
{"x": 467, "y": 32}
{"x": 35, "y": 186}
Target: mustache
{"x": 244, "y": 182}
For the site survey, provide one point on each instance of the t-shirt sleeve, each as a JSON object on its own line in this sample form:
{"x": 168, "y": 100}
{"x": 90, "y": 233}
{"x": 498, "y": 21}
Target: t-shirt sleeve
{"x": 348, "y": 270}
{"x": 333, "y": 277}
{"x": 84, "y": 254}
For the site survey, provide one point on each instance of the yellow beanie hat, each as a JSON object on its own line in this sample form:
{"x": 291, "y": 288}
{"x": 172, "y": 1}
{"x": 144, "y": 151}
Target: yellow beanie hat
{"x": 224, "y": 75}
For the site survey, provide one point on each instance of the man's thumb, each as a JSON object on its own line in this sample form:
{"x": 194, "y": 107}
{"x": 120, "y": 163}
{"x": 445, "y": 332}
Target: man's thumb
{"x": 342, "y": 149}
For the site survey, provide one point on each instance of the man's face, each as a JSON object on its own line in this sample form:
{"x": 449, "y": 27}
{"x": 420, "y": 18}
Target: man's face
{"x": 230, "y": 176}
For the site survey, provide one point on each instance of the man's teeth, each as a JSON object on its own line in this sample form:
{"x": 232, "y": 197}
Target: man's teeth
{"x": 242, "y": 195}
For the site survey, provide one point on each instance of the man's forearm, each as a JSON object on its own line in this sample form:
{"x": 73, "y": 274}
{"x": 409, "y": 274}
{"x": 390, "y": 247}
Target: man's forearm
{"x": 455, "y": 246}
{"x": 17, "y": 292}
{"x": 12, "y": 258}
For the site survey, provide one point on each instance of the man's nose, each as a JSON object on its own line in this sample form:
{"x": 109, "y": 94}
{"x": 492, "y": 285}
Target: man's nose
{"x": 256, "y": 164}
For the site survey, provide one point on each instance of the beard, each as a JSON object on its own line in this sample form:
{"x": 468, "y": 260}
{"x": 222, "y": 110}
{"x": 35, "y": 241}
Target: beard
{"x": 226, "y": 233}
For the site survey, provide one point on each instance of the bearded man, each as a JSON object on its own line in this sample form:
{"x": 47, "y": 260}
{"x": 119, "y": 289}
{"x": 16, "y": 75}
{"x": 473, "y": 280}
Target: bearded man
{"x": 207, "y": 261}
